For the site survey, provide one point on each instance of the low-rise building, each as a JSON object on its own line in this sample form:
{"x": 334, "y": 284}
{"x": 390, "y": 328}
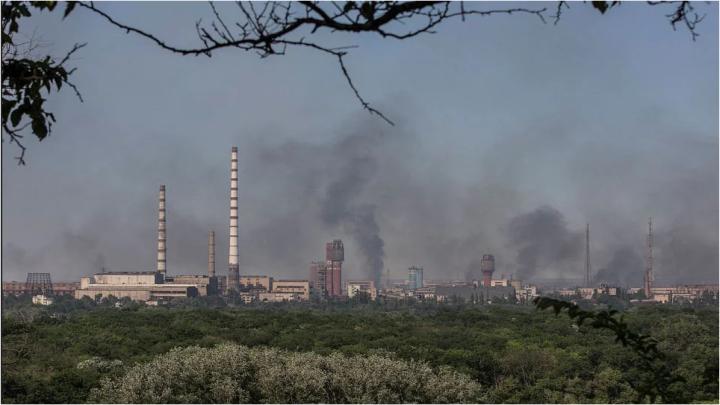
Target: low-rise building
{"x": 139, "y": 286}
{"x": 526, "y": 294}
{"x": 500, "y": 282}
{"x": 42, "y": 300}
{"x": 205, "y": 285}
{"x": 65, "y": 288}
{"x": 20, "y": 287}
{"x": 256, "y": 283}
{"x": 300, "y": 288}
{"x": 426, "y": 293}
{"x": 278, "y": 296}
{"x": 473, "y": 294}
{"x": 353, "y": 287}
{"x": 13, "y": 288}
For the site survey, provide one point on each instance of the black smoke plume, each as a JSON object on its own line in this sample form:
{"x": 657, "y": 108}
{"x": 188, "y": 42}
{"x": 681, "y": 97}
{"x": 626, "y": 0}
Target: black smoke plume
{"x": 544, "y": 243}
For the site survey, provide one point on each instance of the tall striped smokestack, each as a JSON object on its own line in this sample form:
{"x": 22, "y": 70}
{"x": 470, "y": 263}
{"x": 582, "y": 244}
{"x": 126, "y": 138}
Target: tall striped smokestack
{"x": 161, "y": 264}
{"x": 233, "y": 281}
{"x": 211, "y": 254}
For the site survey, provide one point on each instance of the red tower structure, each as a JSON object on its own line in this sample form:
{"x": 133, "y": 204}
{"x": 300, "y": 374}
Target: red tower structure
{"x": 487, "y": 267}
{"x": 326, "y": 277}
{"x": 334, "y": 257}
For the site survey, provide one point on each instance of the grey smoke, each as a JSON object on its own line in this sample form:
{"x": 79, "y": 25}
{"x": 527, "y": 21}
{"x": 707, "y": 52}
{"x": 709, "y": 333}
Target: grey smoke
{"x": 625, "y": 269}
{"x": 340, "y": 207}
{"x": 544, "y": 243}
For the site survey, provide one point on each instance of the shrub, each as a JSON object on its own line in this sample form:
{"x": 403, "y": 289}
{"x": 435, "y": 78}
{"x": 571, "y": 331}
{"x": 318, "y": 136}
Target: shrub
{"x": 238, "y": 374}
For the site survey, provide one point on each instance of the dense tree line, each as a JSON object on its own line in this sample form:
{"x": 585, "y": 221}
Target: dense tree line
{"x": 513, "y": 353}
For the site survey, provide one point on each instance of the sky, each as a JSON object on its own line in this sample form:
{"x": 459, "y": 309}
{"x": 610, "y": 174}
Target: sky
{"x": 511, "y": 135}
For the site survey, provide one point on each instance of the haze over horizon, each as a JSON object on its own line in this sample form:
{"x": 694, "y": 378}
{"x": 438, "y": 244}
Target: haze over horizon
{"x": 510, "y": 136}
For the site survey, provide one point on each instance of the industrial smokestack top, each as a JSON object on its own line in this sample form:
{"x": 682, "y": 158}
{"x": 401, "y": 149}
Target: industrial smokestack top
{"x": 335, "y": 251}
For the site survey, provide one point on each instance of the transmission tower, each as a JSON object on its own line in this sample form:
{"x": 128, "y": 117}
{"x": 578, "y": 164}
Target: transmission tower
{"x": 649, "y": 276}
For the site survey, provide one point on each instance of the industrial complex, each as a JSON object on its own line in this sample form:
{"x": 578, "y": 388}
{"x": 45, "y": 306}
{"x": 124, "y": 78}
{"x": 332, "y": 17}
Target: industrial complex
{"x": 325, "y": 279}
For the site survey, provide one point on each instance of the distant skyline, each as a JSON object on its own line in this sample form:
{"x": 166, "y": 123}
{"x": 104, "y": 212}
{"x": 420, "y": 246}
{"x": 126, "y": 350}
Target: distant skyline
{"x": 511, "y": 135}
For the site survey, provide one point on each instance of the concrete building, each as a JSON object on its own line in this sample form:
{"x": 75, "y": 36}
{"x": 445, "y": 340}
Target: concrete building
{"x": 426, "y": 293}
{"x": 326, "y": 277}
{"x": 205, "y": 285}
{"x": 41, "y": 300}
{"x": 526, "y": 294}
{"x": 13, "y": 288}
{"x": 473, "y": 294}
{"x": 139, "y": 286}
{"x": 500, "y": 283}
{"x": 20, "y": 287}
{"x": 255, "y": 283}
{"x": 415, "y": 277}
{"x": 278, "y": 297}
{"x": 248, "y": 298}
{"x": 353, "y": 287}
{"x": 300, "y": 289}
{"x": 334, "y": 257}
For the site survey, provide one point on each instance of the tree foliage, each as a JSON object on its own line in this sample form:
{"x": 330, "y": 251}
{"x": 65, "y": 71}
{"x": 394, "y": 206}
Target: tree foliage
{"x": 27, "y": 80}
{"x": 515, "y": 353}
{"x": 231, "y": 373}
{"x": 646, "y": 347}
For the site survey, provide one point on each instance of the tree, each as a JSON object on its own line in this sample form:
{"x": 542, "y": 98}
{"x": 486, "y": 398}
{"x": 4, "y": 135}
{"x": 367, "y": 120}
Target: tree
{"x": 656, "y": 379}
{"x": 26, "y": 79}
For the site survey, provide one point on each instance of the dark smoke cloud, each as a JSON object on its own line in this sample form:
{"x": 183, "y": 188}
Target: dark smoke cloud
{"x": 395, "y": 202}
{"x": 340, "y": 207}
{"x": 544, "y": 243}
{"x": 625, "y": 269}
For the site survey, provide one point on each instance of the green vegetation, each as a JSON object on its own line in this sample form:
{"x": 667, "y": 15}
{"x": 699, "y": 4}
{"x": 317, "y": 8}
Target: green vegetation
{"x": 230, "y": 373}
{"x": 515, "y": 353}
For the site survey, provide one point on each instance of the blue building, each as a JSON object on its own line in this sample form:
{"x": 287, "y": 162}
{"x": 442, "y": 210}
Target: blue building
{"x": 415, "y": 277}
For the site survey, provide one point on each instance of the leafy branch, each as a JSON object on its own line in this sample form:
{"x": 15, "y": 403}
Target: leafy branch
{"x": 26, "y": 80}
{"x": 644, "y": 346}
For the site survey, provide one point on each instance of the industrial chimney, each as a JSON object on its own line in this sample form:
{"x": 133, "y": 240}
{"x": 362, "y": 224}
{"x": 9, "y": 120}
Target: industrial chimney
{"x": 211, "y": 254}
{"x": 233, "y": 281}
{"x": 487, "y": 267}
{"x": 161, "y": 264}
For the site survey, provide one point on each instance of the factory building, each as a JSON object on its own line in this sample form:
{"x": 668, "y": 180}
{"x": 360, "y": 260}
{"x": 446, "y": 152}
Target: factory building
{"x": 247, "y": 283}
{"x": 205, "y": 285}
{"x": 139, "y": 286}
{"x": 299, "y": 288}
{"x": 474, "y": 294}
{"x": 415, "y": 277}
{"x": 353, "y": 287}
{"x": 326, "y": 277}
{"x": 21, "y": 287}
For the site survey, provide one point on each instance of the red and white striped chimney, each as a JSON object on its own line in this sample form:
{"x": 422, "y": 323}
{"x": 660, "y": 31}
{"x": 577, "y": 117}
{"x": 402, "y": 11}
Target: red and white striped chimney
{"x": 233, "y": 282}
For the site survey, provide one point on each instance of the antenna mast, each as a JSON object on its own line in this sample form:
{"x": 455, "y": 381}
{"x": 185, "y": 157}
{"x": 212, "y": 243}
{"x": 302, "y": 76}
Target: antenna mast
{"x": 649, "y": 277}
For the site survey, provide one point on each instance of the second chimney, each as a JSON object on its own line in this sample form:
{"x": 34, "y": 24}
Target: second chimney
{"x": 161, "y": 264}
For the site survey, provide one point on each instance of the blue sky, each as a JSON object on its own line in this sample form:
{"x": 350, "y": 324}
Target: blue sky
{"x": 608, "y": 119}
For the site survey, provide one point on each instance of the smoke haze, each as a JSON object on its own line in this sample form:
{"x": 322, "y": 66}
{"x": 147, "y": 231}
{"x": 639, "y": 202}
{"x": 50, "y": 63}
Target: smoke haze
{"x": 506, "y": 146}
